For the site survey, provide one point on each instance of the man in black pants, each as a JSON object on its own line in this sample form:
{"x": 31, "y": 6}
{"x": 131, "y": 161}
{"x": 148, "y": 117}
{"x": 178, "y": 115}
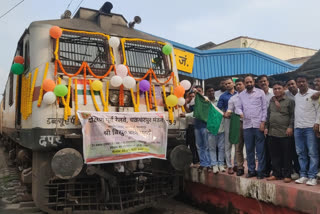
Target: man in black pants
{"x": 279, "y": 127}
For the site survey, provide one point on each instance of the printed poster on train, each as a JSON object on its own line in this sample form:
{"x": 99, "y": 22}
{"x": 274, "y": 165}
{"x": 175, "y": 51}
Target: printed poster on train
{"x": 110, "y": 137}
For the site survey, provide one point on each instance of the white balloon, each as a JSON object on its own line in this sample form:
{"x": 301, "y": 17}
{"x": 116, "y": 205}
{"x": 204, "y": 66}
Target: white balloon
{"x": 116, "y": 81}
{"x": 185, "y": 84}
{"x": 114, "y": 42}
{"x": 122, "y": 70}
{"x": 129, "y": 82}
{"x": 49, "y": 98}
{"x": 181, "y": 101}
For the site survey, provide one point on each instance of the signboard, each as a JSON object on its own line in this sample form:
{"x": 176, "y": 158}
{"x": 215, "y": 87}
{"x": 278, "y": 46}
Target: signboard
{"x": 110, "y": 137}
{"x": 184, "y": 60}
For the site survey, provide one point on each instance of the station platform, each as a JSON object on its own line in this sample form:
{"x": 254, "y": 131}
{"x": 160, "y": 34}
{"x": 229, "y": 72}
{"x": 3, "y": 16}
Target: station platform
{"x": 238, "y": 194}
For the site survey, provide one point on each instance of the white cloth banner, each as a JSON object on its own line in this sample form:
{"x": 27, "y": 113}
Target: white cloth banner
{"x": 110, "y": 137}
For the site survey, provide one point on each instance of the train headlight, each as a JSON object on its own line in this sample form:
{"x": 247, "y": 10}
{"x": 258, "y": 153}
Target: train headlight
{"x": 114, "y": 98}
{"x": 67, "y": 163}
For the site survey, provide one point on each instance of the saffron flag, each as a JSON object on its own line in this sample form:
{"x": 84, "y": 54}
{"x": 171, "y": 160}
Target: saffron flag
{"x": 204, "y": 110}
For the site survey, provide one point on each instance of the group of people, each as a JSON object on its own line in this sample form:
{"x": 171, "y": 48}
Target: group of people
{"x": 279, "y": 128}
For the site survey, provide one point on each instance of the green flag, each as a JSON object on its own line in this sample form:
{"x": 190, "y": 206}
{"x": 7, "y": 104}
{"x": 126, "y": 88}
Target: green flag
{"x": 214, "y": 119}
{"x": 201, "y": 108}
{"x": 234, "y": 132}
{"x": 204, "y": 110}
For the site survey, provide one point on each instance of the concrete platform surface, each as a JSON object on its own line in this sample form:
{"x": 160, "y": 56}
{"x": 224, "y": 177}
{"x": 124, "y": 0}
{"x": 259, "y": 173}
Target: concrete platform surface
{"x": 296, "y": 197}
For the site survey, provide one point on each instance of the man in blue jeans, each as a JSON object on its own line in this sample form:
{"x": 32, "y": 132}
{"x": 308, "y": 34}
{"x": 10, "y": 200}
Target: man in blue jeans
{"x": 201, "y": 135}
{"x": 252, "y": 108}
{"x": 305, "y": 124}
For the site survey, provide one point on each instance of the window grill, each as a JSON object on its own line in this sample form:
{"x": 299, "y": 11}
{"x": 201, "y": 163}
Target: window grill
{"x": 141, "y": 56}
{"x": 75, "y": 48}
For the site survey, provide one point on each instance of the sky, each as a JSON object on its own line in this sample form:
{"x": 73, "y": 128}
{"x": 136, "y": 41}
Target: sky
{"x": 185, "y": 21}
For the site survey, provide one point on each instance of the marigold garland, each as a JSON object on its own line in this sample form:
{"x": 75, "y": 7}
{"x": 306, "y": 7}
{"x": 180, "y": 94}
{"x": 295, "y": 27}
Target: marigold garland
{"x": 121, "y": 96}
{"x": 147, "y": 101}
{"x": 106, "y": 104}
{"x": 76, "y": 101}
{"x": 67, "y": 110}
{"x": 93, "y": 97}
{"x": 32, "y": 90}
{"x": 43, "y": 79}
{"x": 155, "y": 98}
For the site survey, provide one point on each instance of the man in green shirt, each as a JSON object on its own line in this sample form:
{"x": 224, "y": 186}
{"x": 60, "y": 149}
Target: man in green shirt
{"x": 279, "y": 126}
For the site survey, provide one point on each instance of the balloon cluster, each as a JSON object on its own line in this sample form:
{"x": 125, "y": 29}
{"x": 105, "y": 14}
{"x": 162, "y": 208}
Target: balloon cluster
{"x": 177, "y": 97}
{"x": 122, "y": 77}
{"x": 17, "y": 67}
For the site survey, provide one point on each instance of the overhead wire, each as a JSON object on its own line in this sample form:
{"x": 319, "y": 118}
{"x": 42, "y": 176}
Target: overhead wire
{"x": 78, "y": 7}
{"x": 11, "y": 9}
{"x": 69, "y": 4}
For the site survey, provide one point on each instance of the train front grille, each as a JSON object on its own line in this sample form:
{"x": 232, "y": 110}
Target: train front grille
{"x": 95, "y": 194}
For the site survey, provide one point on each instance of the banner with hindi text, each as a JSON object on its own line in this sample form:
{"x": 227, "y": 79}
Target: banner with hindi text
{"x": 110, "y": 137}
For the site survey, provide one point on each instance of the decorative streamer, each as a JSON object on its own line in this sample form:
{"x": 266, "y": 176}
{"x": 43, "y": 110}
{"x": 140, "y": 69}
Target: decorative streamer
{"x": 106, "y": 106}
{"x": 121, "y": 96}
{"x": 76, "y": 101}
{"x": 43, "y": 79}
{"x": 147, "y": 101}
{"x": 93, "y": 97}
{"x": 150, "y": 95}
{"x": 155, "y": 98}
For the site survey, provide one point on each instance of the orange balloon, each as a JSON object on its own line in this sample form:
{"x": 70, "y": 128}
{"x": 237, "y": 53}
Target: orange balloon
{"x": 19, "y": 59}
{"x": 179, "y": 91}
{"x": 48, "y": 85}
{"x": 55, "y": 32}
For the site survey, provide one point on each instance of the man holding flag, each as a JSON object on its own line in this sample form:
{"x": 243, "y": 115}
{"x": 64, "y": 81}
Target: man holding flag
{"x": 223, "y": 105}
{"x": 252, "y": 108}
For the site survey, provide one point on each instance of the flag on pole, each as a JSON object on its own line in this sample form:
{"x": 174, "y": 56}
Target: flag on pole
{"x": 234, "y": 131}
{"x": 204, "y": 110}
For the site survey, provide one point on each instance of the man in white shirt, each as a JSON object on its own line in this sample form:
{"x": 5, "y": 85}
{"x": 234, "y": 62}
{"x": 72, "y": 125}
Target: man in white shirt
{"x": 217, "y": 94}
{"x": 306, "y": 122}
{"x": 291, "y": 93}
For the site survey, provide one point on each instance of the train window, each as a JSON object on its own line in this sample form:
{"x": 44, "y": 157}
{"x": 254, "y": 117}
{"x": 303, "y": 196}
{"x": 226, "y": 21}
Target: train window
{"x": 141, "y": 56}
{"x": 11, "y": 89}
{"x": 75, "y": 48}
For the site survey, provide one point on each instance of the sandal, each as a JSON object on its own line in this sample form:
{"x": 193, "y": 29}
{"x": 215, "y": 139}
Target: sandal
{"x": 209, "y": 169}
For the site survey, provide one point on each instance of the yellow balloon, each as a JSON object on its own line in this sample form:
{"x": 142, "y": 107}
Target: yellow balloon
{"x": 172, "y": 100}
{"x": 96, "y": 85}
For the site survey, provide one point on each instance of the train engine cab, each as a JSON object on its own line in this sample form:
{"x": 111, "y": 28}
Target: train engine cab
{"x": 72, "y": 78}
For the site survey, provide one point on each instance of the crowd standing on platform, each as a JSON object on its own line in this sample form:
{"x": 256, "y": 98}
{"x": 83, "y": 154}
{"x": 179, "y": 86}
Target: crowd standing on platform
{"x": 279, "y": 128}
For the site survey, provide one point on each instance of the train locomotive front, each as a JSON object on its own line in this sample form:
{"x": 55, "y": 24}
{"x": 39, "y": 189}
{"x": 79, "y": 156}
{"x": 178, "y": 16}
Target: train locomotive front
{"x": 41, "y": 128}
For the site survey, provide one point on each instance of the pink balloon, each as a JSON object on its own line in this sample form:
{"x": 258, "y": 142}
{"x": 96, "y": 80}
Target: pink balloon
{"x": 122, "y": 70}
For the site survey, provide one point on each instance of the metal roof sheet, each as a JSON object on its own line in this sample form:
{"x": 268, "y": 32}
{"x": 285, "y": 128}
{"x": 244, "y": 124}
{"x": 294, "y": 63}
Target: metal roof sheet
{"x": 231, "y": 62}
